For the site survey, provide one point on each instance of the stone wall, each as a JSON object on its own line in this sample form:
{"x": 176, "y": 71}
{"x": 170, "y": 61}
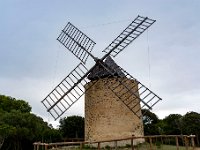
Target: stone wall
{"x": 106, "y": 117}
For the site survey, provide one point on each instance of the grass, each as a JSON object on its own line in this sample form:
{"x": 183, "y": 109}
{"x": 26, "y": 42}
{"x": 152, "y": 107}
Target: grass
{"x": 144, "y": 146}
{"x": 160, "y": 147}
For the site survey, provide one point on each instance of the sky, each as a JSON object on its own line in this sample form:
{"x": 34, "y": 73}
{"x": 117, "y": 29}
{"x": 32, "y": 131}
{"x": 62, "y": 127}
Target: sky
{"x": 166, "y": 58}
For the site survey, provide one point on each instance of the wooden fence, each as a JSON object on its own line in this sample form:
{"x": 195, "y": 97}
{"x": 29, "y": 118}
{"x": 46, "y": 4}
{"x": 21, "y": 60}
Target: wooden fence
{"x": 179, "y": 142}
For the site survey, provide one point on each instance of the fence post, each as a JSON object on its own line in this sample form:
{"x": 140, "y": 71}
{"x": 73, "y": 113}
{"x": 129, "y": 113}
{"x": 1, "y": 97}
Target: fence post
{"x": 115, "y": 144}
{"x": 177, "y": 144}
{"x": 38, "y": 146}
{"x": 34, "y": 146}
{"x": 192, "y": 140}
{"x": 81, "y": 146}
{"x": 132, "y": 146}
{"x": 150, "y": 139}
{"x": 99, "y": 146}
{"x": 161, "y": 140}
{"x": 46, "y": 146}
{"x": 186, "y": 143}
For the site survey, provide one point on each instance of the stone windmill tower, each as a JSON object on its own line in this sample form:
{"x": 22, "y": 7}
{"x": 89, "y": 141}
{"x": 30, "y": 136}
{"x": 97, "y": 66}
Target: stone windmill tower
{"x": 114, "y": 98}
{"x": 106, "y": 117}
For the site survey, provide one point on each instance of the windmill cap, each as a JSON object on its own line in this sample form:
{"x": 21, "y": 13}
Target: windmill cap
{"x": 100, "y": 72}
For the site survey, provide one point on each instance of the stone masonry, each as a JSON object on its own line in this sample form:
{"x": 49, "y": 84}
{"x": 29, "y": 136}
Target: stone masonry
{"x": 106, "y": 116}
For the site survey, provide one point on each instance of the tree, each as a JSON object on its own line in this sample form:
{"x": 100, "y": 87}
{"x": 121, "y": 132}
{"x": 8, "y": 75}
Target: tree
{"x": 72, "y": 127}
{"x": 191, "y": 124}
{"x": 8, "y": 104}
{"x": 19, "y": 128}
{"x": 150, "y": 121}
{"x": 172, "y": 124}
{"x": 5, "y": 131}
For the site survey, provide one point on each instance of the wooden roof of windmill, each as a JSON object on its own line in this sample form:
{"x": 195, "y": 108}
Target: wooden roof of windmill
{"x": 101, "y": 72}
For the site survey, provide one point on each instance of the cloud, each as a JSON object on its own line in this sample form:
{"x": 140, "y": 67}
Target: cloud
{"x": 32, "y": 62}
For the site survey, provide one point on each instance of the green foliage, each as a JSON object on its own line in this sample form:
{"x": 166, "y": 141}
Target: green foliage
{"x": 19, "y": 128}
{"x": 191, "y": 123}
{"x": 158, "y": 144}
{"x": 149, "y": 117}
{"x": 128, "y": 146}
{"x": 150, "y": 122}
{"x": 88, "y": 147}
{"x": 172, "y": 124}
{"x": 8, "y": 104}
{"x": 107, "y": 147}
{"x": 72, "y": 127}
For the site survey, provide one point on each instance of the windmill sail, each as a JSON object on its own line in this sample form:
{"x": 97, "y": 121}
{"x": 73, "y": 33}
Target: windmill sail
{"x": 76, "y": 42}
{"x": 134, "y": 30}
{"x": 67, "y": 92}
{"x": 71, "y": 88}
{"x": 124, "y": 89}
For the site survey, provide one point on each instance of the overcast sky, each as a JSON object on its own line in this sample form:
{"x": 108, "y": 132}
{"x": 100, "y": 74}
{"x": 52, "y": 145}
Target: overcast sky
{"x": 166, "y": 58}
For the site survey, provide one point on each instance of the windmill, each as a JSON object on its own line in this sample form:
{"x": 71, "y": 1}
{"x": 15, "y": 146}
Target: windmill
{"x": 71, "y": 88}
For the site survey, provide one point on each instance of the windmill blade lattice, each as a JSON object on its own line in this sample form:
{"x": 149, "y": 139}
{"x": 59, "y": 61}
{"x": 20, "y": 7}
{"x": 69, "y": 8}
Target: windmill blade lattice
{"x": 67, "y": 92}
{"x": 126, "y": 87}
{"x": 72, "y": 88}
{"x": 134, "y": 30}
{"x": 76, "y": 42}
